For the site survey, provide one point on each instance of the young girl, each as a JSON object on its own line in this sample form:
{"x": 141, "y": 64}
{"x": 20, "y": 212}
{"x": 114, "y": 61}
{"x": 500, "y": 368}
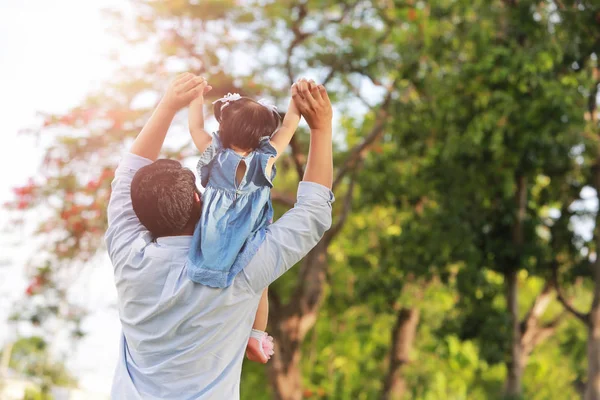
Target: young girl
{"x": 237, "y": 169}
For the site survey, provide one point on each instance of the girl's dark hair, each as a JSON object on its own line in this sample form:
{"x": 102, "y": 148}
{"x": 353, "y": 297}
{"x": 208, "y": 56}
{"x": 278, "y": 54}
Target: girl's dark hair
{"x": 243, "y": 122}
{"x": 162, "y": 197}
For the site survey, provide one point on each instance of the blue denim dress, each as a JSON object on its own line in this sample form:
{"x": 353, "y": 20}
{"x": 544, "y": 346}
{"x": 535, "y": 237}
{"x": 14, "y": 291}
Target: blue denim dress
{"x": 230, "y": 228}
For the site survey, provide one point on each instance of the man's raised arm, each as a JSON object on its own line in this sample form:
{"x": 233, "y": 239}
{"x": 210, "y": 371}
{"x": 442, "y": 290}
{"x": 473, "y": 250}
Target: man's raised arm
{"x": 315, "y": 106}
{"x": 300, "y": 229}
{"x": 180, "y": 93}
{"x": 123, "y": 224}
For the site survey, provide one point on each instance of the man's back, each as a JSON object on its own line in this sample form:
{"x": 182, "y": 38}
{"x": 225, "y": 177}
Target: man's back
{"x": 183, "y": 340}
{"x": 179, "y": 336}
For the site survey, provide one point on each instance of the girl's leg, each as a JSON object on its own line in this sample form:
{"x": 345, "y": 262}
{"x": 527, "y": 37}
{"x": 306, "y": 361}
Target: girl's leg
{"x": 259, "y": 347}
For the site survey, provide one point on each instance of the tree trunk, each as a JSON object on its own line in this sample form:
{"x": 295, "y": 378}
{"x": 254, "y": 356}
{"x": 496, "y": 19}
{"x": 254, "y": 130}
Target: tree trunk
{"x": 291, "y": 322}
{"x": 403, "y": 337}
{"x": 592, "y": 387}
{"x": 284, "y": 372}
{"x": 515, "y": 364}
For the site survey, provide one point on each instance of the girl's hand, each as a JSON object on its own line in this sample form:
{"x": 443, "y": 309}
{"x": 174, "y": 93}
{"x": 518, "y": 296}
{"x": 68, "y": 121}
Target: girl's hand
{"x": 199, "y": 99}
{"x": 293, "y": 109}
{"x": 183, "y": 90}
{"x": 200, "y": 137}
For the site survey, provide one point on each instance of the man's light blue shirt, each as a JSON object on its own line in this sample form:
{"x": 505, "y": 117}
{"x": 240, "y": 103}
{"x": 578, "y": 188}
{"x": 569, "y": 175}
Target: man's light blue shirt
{"x": 183, "y": 340}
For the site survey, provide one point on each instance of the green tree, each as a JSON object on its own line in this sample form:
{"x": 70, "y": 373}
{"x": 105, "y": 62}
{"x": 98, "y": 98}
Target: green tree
{"x": 496, "y": 122}
{"x": 29, "y": 356}
{"x": 581, "y": 27}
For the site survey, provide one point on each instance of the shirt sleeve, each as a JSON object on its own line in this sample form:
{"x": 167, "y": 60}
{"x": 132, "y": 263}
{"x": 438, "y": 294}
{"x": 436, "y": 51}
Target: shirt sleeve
{"x": 123, "y": 224}
{"x": 266, "y": 151}
{"x": 203, "y": 167}
{"x": 291, "y": 237}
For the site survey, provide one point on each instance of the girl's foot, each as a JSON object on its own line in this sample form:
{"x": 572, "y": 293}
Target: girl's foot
{"x": 260, "y": 347}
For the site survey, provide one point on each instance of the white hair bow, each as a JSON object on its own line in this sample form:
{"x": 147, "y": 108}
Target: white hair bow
{"x": 271, "y": 107}
{"x": 229, "y": 97}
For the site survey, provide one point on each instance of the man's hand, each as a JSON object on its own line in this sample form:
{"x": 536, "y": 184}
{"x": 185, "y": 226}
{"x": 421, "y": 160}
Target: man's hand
{"x": 183, "y": 90}
{"x": 313, "y": 102}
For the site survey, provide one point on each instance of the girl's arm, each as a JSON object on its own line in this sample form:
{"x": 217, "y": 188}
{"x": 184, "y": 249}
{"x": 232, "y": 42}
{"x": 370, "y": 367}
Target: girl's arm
{"x": 288, "y": 127}
{"x": 200, "y": 137}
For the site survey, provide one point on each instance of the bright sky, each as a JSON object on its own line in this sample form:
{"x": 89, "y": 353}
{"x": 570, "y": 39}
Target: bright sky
{"x": 51, "y": 54}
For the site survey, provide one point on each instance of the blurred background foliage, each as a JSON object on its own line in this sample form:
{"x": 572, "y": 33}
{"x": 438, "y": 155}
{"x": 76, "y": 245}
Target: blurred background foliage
{"x": 462, "y": 260}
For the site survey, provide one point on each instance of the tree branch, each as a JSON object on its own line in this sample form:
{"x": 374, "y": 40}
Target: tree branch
{"x": 299, "y": 37}
{"x": 274, "y": 303}
{"x": 531, "y": 332}
{"x": 538, "y": 307}
{"x": 297, "y": 157}
{"x": 357, "y": 152}
{"x": 363, "y": 69}
{"x": 308, "y": 294}
{"x": 283, "y": 199}
{"x": 347, "y": 207}
{"x": 329, "y": 76}
{"x": 403, "y": 338}
{"x": 542, "y": 333}
{"x": 356, "y": 92}
{"x": 561, "y": 298}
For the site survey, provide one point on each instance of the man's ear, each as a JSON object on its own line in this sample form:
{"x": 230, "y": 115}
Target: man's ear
{"x": 196, "y": 197}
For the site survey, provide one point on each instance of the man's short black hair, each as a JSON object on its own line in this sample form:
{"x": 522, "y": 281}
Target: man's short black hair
{"x": 243, "y": 122}
{"x": 162, "y": 196}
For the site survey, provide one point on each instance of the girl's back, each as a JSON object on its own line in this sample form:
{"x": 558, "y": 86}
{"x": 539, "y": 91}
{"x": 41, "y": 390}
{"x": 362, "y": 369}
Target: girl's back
{"x": 233, "y": 210}
{"x": 237, "y": 171}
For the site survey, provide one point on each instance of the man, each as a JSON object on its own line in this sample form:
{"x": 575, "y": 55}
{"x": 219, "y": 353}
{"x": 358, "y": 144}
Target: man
{"x": 182, "y": 340}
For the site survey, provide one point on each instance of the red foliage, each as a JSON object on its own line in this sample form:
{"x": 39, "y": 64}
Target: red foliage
{"x": 107, "y": 173}
{"x": 117, "y": 117}
{"x": 68, "y": 119}
{"x": 74, "y": 117}
{"x": 87, "y": 115}
{"x": 77, "y": 227}
{"x": 92, "y": 185}
{"x": 25, "y": 195}
{"x": 26, "y": 190}
{"x": 22, "y": 205}
{"x": 35, "y": 285}
{"x": 412, "y": 14}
